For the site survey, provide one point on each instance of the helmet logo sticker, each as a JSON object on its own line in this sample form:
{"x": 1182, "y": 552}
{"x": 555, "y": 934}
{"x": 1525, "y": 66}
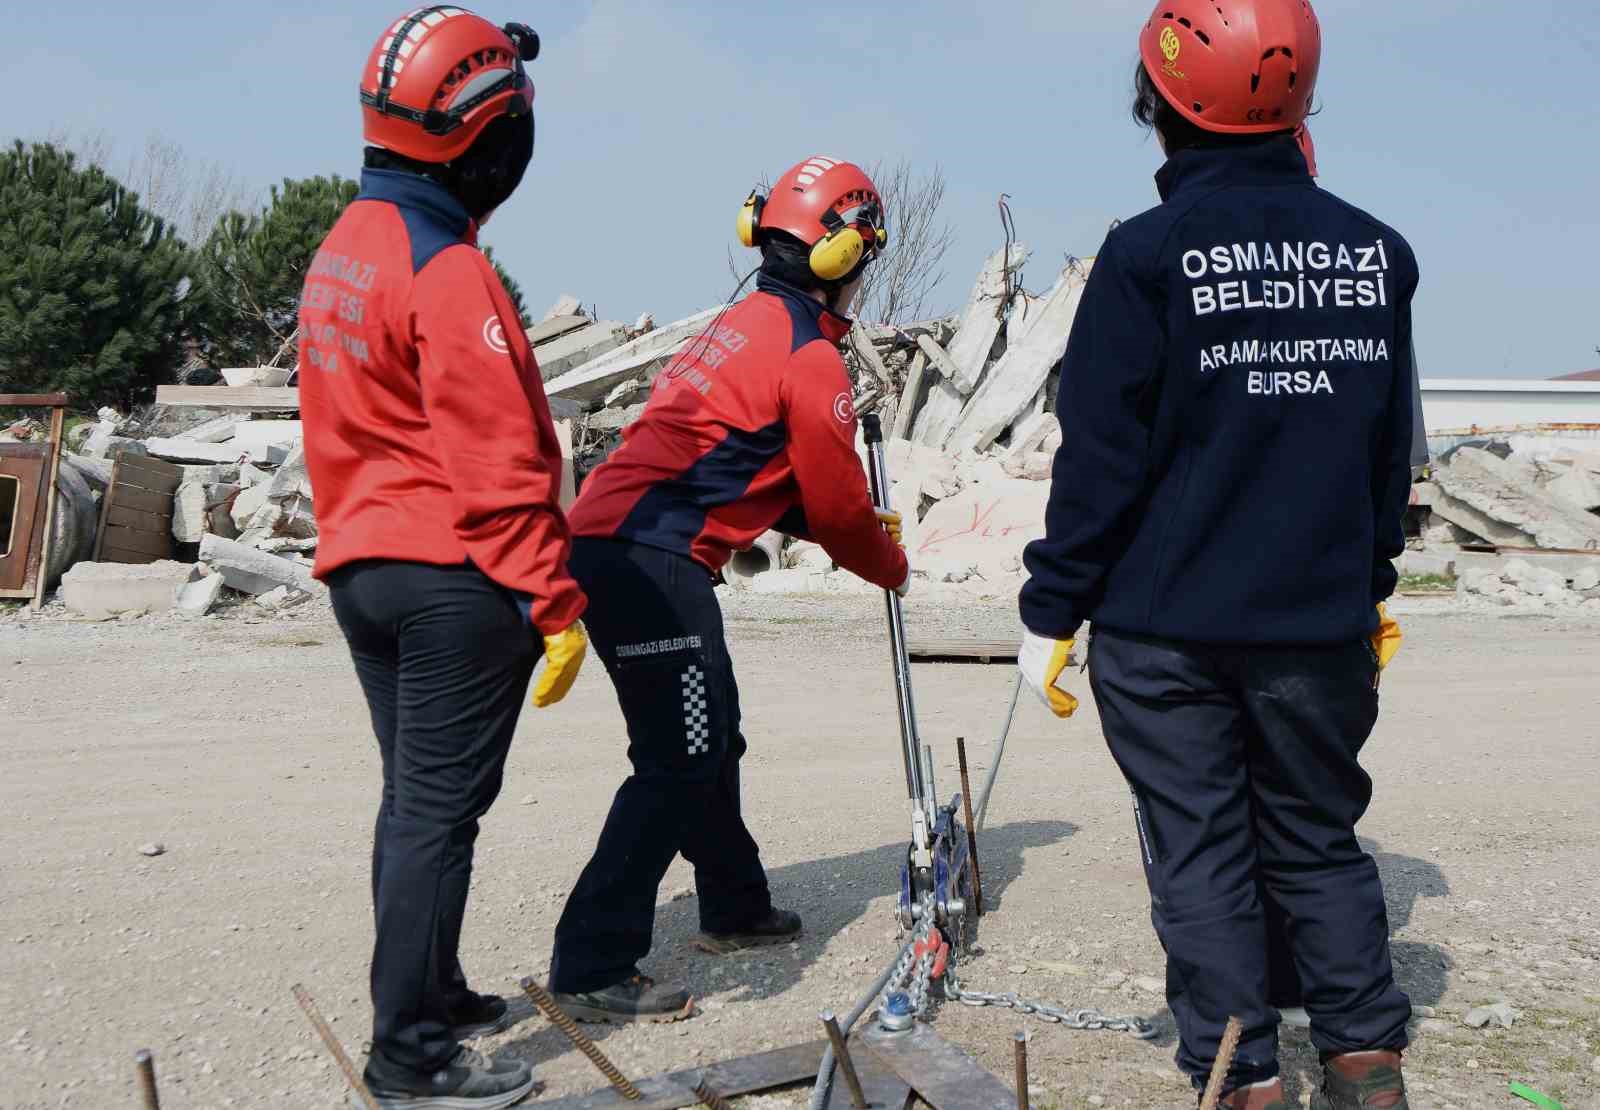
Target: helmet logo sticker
{"x": 494, "y": 334}
{"x": 844, "y": 409}
{"x": 1171, "y": 45}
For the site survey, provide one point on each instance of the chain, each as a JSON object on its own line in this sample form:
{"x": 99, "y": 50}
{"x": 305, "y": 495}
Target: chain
{"x": 1085, "y": 1018}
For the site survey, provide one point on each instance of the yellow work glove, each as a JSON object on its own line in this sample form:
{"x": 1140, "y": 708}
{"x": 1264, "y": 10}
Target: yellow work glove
{"x": 1386, "y": 641}
{"x": 1041, "y": 661}
{"x": 891, "y": 522}
{"x": 563, "y": 657}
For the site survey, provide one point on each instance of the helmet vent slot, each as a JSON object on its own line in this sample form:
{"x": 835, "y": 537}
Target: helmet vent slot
{"x": 1185, "y": 21}
{"x": 1202, "y": 36}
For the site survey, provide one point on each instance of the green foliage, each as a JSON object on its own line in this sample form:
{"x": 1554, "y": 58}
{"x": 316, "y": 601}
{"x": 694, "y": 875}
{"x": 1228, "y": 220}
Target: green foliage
{"x": 513, "y": 290}
{"x": 93, "y": 288}
{"x": 252, "y": 269}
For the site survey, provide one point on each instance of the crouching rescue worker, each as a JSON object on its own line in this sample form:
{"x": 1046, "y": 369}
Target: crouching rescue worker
{"x": 750, "y": 428}
{"x": 436, "y": 466}
{"x": 1236, "y": 405}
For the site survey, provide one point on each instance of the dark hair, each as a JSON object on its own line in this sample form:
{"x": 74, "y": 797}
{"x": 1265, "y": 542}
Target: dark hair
{"x": 484, "y": 176}
{"x": 1153, "y": 112}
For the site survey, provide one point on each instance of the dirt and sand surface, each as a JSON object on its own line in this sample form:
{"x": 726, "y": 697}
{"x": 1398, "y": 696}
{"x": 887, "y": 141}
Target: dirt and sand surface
{"x": 242, "y": 747}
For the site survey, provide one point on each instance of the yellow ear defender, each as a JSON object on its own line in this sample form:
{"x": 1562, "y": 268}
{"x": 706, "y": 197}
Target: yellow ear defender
{"x": 837, "y": 253}
{"x": 750, "y": 217}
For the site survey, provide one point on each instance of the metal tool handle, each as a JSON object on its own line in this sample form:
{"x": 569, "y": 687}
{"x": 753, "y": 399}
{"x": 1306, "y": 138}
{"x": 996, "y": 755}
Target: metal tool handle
{"x": 911, "y": 744}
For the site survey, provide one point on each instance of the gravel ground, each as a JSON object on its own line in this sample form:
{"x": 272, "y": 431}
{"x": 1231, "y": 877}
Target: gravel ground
{"x": 241, "y": 745}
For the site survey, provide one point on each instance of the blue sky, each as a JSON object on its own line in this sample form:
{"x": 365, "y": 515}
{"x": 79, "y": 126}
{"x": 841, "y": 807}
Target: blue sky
{"x": 1472, "y": 128}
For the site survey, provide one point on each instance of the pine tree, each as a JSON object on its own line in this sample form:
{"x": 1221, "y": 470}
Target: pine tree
{"x": 93, "y": 288}
{"x": 252, "y": 269}
{"x": 513, "y": 290}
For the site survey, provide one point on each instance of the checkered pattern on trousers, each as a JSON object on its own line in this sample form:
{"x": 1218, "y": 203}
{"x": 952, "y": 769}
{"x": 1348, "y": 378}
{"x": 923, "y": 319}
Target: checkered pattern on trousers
{"x": 696, "y": 720}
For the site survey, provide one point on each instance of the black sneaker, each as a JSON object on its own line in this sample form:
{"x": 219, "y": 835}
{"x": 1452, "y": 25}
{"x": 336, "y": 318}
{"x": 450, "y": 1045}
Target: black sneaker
{"x": 471, "y": 1081}
{"x": 483, "y": 1015}
{"x": 777, "y": 927}
{"x": 635, "y": 999}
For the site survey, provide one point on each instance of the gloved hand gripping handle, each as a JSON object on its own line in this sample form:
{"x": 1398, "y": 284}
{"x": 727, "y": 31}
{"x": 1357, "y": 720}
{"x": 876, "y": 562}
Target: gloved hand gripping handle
{"x": 923, "y": 805}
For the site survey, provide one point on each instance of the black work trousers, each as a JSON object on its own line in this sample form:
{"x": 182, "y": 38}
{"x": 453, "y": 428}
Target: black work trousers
{"x": 654, "y": 621}
{"x": 1243, "y": 767}
{"x": 444, "y": 656}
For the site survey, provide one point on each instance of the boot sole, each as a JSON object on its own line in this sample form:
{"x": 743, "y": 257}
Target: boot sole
{"x": 594, "y": 1015}
{"x": 727, "y": 946}
{"x": 449, "y": 1102}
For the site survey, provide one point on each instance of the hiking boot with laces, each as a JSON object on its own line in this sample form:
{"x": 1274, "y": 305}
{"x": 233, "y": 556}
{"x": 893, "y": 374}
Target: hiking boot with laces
{"x": 775, "y": 927}
{"x": 470, "y": 1081}
{"x": 1259, "y": 1096}
{"x": 634, "y": 999}
{"x": 1362, "y": 1081}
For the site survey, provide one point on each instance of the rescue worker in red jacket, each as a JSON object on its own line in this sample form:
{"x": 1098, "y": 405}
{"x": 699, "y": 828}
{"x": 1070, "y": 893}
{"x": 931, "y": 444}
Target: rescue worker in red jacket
{"x": 437, "y": 471}
{"x": 750, "y": 428}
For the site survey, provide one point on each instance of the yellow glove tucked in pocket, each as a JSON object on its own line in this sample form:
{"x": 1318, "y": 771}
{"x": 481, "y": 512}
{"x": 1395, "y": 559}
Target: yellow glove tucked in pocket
{"x": 1386, "y": 641}
{"x": 563, "y": 657}
{"x": 1042, "y": 662}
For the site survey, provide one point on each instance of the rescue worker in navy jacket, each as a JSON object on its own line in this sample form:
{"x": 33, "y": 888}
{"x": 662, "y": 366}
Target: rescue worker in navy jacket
{"x": 1236, "y": 410}
{"x": 750, "y": 428}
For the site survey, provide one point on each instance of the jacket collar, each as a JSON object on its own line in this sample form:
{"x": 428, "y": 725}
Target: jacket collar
{"x": 409, "y": 190}
{"x": 831, "y": 324}
{"x": 1277, "y": 161}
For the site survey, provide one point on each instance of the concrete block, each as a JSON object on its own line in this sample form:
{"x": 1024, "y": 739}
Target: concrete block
{"x": 248, "y": 504}
{"x": 218, "y": 430}
{"x": 566, "y": 305}
{"x": 911, "y": 397}
{"x": 981, "y": 530}
{"x": 1536, "y": 580}
{"x": 103, "y": 590}
{"x": 190, "y": 519}
{"x": 292, "y": 478}
{"x": 196, "y": 597}
{"x": 1587, "y": 579}
{"x": 254, "y": 439}
{"x": 254, "y": 572}
{"x": 1578, "y": 488}
{"x": 1426, "y": 564}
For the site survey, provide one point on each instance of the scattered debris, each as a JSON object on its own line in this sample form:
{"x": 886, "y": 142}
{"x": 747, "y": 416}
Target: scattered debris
{"x": 1500, "y": 1015}
{"x": 155, "y": 848}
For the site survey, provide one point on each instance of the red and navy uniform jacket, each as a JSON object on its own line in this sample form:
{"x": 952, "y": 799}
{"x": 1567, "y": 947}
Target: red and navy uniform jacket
{"x": 749, "y": 428}
{"x": 428, "y": 436}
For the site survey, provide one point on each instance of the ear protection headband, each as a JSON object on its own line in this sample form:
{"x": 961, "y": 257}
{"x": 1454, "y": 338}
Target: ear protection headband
{"x": 834, "y": 256}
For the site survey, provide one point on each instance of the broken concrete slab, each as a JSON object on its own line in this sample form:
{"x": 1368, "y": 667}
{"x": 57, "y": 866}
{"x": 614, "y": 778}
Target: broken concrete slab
{"x": 1578, "y": 488}
{"x": 1014, "y": 382}
{"x": 255, "y": 439}
{"x": 981, "y": 531}
{"x": 566, "y": 305}
{"x": 254, "y": 572}
{"x": 980, "y": 322}
{"x": 1496, "y": 489}
{"x": 193, "y": 451}
{"x": 593, "y": 380}
{"x": 217, "y": 430}
{"x": 577, "y": 347}
{"x": 197, "y": 596}
{"x": 249, "y": 502}
{"x": 190, "y": 519}
{"x": 101, "y": 591}
{"x": 910, "y": 398}
{"x": 938, "y": 358}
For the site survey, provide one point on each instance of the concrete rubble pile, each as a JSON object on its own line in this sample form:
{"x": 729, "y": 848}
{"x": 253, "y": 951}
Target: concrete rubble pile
{"x": 1515, "y": 520}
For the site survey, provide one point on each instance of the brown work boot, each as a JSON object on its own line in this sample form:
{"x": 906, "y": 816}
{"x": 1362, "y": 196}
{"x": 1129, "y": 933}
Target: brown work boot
{"x": 1362, "y": 1081}
{"x": 1260, "y": 1096}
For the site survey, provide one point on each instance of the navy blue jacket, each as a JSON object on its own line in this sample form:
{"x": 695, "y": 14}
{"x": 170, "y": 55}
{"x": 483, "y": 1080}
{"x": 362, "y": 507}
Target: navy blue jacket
{"x": 1236, "y": 413}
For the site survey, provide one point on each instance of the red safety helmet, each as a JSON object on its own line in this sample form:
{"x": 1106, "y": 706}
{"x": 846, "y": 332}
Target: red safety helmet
{"x": 437, "y": 77}
{"x": 1235, "y": 66}
{"x": 831, "y": 206}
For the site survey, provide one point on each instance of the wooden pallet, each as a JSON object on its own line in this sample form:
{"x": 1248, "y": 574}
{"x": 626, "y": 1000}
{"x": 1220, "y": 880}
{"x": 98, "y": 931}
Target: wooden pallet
{"x": 136, "y": 515}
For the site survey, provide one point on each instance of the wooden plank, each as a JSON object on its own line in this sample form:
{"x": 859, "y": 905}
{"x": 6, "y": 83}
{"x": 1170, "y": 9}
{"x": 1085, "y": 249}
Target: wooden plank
{"x": 126, "y": 539}
{"x": 151, "y": 474}
{"x": 58, "y": 417}
{"x": 32, "y": 400}
{"x": 945, "y": 1076}
{"x": 105, "y": 505}
{"x": 122, "y": 516}
{"x": 962, "y": 651}
{"x": 256, "y": 398}
{"x": 143, "y": 501}
{"x": 731, "y": 1078}
{"x": 109, "y": 554}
